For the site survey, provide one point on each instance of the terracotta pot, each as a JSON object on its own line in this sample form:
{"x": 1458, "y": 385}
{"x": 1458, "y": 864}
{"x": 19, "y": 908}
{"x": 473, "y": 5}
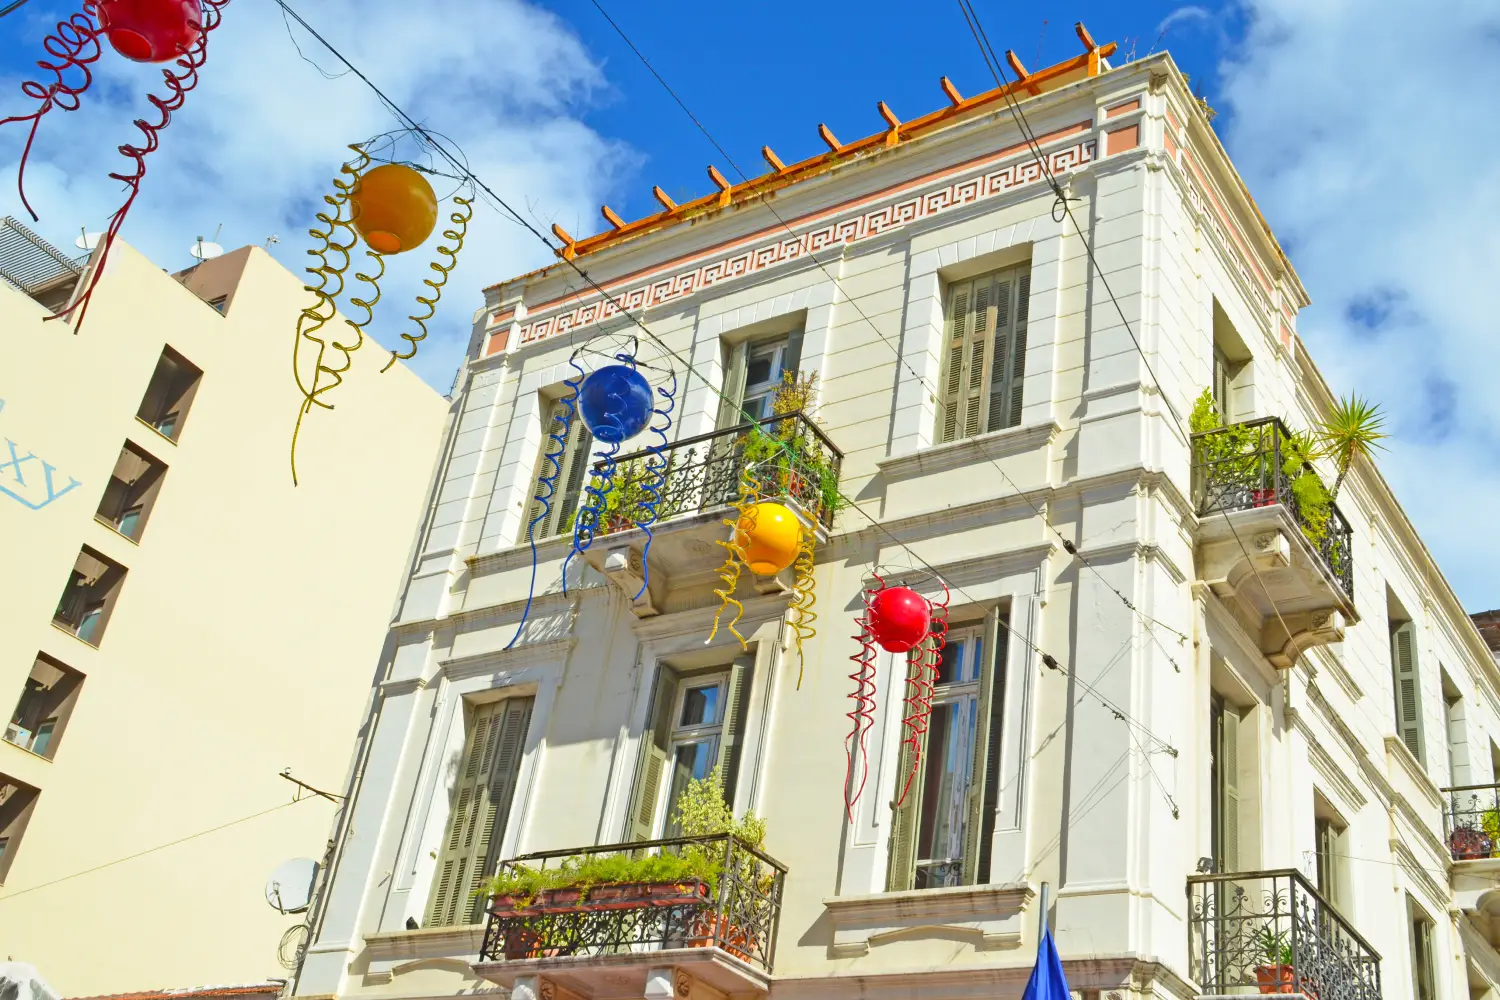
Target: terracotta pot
{"x": 1262, "y": 498}
{"x": 521, "y": 942}
{"x": 736, "y": 940}
{"x": 1275, "y": 978}
{"x": 1467, "y": 844}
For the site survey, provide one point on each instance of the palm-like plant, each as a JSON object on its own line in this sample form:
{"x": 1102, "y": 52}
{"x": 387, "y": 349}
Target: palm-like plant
{"x": 1352, "y": 430}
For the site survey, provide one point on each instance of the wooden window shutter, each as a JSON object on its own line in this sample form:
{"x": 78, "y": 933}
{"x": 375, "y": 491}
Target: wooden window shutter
{"x": 791, "y": 358}
{"x": 736, "y": 709}
{"x": 568, "y": 486}
{"x": 984, "y": 360}
{"x": 1221, "y": 384}
{"x": 907, "y": 817}
{"x": 1408, "y": 689}
{"x": 454, "y": 873}
{"x": 984, "y": 784}
{"x": 1228, "y": 752}
{"x": 733, "y": 393}
{"x": 543, "y": 467}
{"x": 955, "y": 374}
{"x": 497, "y": 792}
{"x": 653, "y": 762}
{"x": 1018, "y": 348}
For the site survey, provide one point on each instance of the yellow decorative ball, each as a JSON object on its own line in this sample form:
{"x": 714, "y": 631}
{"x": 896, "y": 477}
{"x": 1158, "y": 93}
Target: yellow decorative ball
{"x": 395, "y": 209}
{"x": 770, "y": 535}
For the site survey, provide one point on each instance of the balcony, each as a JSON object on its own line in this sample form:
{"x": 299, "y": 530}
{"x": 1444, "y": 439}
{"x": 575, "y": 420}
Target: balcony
{"x": 1269, "y": 541}
{"x": 790, "y": 460}
{"x": 1472, "y": 826}
{"x": 610, "y": 939}
{"x": 1270, "y": 932}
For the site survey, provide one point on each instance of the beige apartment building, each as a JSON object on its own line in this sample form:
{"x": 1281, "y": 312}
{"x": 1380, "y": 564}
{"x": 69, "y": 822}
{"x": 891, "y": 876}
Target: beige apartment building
{"x": 181, "y": 624}
{"x": 1247, "y": 741}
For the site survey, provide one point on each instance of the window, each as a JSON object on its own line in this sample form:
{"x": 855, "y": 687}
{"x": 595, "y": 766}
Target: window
{"x": 170, "y": 394}
{"x": 984, "y": 360}
{"x": 1456, "y": 729}
{"x": 17, "y": 802}
{"x": 752, "y": 372}
{"x": 1224, "y": 784}
{"x": 943, "y": 829}
{"x": 1231, "y": 375}
{"x": 697, "y": 723}
{"x": 90, "y": 596}
{"x": 131, "y": 491}
{"x": 1423, "y": 970}
{"x": 1407, "y": 683}
{"x": 1221, "y": 383}
{"x": 494, "y": 742}
{"x": 566, "y": 480}
{"x": 44, "y": 706}
{"x": 1329, "y": 838}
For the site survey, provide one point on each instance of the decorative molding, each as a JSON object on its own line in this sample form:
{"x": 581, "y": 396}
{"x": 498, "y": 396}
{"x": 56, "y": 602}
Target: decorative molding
{"x": 901, "y": 208}
{"x": 462, "y": 941}
{"x": 471, "y": 664}
{"x": 399, "y": 686}
{"x": 1125, "y": 973}
{"x": 969, "y": 451}
{"x": 1328, "y": 768}
{"x": 1396, "y": 750}
{"x": 1416, "y": 872}
{"x": 985, "y": 568}
{"x": 990, "y": 914}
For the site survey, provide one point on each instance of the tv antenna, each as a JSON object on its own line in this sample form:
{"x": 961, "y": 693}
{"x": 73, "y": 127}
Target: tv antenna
{"x": 207, "y": 249}
{"x": 87, "y": 240}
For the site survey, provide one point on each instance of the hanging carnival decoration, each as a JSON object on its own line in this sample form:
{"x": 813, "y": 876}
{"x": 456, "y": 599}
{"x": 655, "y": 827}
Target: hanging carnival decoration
{"x": 393, "y": 209}
{"x": 616, "y": 403}
{"x": 800, "y": 613}
{"x": 897, "y": 620}
{"x": 146, "y": 31}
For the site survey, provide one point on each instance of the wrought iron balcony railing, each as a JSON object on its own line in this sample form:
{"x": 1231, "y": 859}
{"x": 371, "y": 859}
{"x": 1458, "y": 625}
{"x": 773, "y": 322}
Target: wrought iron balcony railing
{"x": 1473, "y": 821}
{"x": 736, "y": 907}
{"x": 1253, "y": 464}
{"x": 788, "y": 456}
{"x": 1270, "y": 932}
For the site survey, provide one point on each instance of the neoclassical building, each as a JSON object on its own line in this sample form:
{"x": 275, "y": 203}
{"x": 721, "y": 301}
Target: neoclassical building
{"x": 1219, "y": 717}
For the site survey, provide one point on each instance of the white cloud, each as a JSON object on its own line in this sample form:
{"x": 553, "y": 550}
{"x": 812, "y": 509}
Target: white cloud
{"x": 1362, "y": 129}
{"x": 1182, "y": 14}
{"x": 260, "y": 139}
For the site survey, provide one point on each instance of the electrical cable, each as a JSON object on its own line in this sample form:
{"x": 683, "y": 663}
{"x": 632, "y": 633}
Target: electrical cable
{"x": 1046, "y": 658}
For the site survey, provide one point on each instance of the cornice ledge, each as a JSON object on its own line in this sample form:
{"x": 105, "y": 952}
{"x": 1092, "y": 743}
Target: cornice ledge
{"x": 1438, "y": 896}
{"x": 459, "y": 942}
{"x": 925, "y": 904}
{"x": 1325, "y": 765}
{"x": 398, "y": 686}
{"x": 1396, "y": 750}
{"x": 977, "y": 569}
{"x": 968, "y": 451}
{"x": 470, "y": 664}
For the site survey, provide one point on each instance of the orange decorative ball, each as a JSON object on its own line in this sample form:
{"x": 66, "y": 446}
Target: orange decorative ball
{"x": 395, "y": 209}
{"x": 770, "y": 535}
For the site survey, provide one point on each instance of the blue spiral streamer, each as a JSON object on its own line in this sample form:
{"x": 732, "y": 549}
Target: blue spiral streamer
{"x": 656, "y": 479}
{"x": 586, "y": 525}
{"x": 561, "y": 425}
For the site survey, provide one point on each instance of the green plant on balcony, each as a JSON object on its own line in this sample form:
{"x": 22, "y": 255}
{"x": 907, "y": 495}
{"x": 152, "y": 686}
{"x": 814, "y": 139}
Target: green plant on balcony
{"x": 789, "y": 458}
{"x": 1352, "y": 431}
{"x": 1489, "y": 822}
{"x": 626, "y": 501}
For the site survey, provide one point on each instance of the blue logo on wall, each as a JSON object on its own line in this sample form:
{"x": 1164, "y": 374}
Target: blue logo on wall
{"x": 35, "y": 487}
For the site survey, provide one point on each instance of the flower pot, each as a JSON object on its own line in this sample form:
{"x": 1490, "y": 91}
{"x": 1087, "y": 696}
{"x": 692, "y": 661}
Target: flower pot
{"x": 522, "y": 942}
{"x": 1467, "y": 844}
{"x": 1262, "y": 498}
{"x": 675, "y": 893}
{"x": 707, "y": 932}
{"x": 1275, "y": 978}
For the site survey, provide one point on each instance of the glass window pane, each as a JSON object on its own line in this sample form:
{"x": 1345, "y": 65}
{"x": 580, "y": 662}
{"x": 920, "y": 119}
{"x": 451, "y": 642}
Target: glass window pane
{"x": 128, "y": 522}
{"x": 690, "y": 761}
{"x": 700, "y": 706}
{"x": 43, "y": 737}
{"x": 950, "y": 663}
{"x": 90, "y": 623}
{"x": 945, "y": 793}
{"x": 757, "y": 407}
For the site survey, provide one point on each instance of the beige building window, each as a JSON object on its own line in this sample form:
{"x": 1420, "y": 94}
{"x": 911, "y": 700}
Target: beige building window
{"x": 170, "y": 394}
{"x": 556, "y": 516}
{"x": 943, "y": 828}
{"x": 752, "y": 371}
{"x": 1423, "y": 967}
{"x": 697, "y": 723}
{"x": 494, "y": 742}
{"x": 131, "y": 492}
{"x": 984, "y": 353}
{"x": 1234, "y": 819}
{"x": 1408, "y": 685}
{"x": 90, "y": 596}
{"x": 42, "y": 711}
{"x": 17, "y": 802}
{"x": 1330, "y": 837}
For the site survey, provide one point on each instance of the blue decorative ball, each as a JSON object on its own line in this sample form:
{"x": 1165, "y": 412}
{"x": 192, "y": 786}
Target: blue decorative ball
{"x": 615, "y": 403}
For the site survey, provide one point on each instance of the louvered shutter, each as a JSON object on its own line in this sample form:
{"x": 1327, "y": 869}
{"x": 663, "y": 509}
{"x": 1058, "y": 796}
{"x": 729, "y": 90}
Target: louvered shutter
{"x": 736, "y": 709}
{"x": 1229, "y": 789}
{"x": 568, "y": 486}
{"x": 1018, "y": 350}
{"x": 959, "y": 320}
{"x": 984, "y": 362}
{"x": 1408, "y": 689}
{"x": 653, "y": 762}
{"x": 733, "y": 392}
{"x": 498, "y": 791}
{"x": 984, "y": 783}
{"x": 1221, "y": 384}
{"x": 460, "y": 865}
{"x": 907, "y": 816}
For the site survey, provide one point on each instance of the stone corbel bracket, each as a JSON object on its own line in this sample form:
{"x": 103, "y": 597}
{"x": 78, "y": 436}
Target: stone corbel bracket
{"x": 989, "y": 915}
{"x": 626, "y": 568}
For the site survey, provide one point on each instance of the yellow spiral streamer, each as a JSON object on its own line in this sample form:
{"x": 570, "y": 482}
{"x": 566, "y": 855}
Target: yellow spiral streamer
{"x": 804, "y": 597}
{"x": 330, "y": 278}
{"x": 729, "y": 573}
{"x": 460, "y": 221}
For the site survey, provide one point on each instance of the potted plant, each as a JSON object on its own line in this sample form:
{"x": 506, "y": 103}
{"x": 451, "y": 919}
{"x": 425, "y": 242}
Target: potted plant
{"x": 1489, "y": 822}
{"x": 1467, "y": 843}
{"x": 1276, "y": 975}
{"x": 788, "y": 459}
{"x": 703, "y": 812}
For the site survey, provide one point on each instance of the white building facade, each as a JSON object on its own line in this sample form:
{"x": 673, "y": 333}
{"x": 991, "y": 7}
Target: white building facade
{"x": 1220, "y": 737}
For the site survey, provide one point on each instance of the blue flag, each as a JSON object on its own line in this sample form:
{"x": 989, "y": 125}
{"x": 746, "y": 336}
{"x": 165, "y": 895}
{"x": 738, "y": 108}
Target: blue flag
{"x": 1047, "y": 980}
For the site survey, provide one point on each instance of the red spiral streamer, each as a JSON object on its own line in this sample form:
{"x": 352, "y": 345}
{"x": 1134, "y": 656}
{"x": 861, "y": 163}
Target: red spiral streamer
{"x": 178, "y": 82}
{"x": 862, "y": 717}
{"x": 73, "y": 46}
{"x": 920, "y": 685}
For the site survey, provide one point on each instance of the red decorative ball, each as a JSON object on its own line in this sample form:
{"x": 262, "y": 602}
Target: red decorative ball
{"x": 151, "y": 31}
{"x": 900, "y": 619}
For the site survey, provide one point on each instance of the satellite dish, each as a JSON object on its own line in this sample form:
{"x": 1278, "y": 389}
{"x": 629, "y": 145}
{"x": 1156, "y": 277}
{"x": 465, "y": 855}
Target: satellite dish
{"x": 289, "y": 890}
{"x": 87, "y": 240}
{"x": 204, "y": 250}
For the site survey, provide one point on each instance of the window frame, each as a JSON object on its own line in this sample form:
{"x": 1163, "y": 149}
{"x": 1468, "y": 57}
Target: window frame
{"x": 952, "y": 693}
{"x": 572, "y": 475}
{"x": 967, "y": 404}
{"x": 679, "y": 736}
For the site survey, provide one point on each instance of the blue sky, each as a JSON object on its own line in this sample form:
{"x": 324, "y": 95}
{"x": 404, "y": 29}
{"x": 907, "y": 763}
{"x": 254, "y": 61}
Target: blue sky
{"x": 1361, "y": 128}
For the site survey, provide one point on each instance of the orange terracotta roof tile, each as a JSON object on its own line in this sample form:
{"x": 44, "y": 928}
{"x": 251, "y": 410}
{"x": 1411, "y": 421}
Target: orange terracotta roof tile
{"x": 192, "y": 992}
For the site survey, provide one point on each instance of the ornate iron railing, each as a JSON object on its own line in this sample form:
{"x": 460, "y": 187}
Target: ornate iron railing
{"x": 738, "y": 910}
{"x": 1472, "y": 821}
{"x": 1270, "y": 932}
{"x": 1247, "y": 465}
{"x": 703, "y": 472}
